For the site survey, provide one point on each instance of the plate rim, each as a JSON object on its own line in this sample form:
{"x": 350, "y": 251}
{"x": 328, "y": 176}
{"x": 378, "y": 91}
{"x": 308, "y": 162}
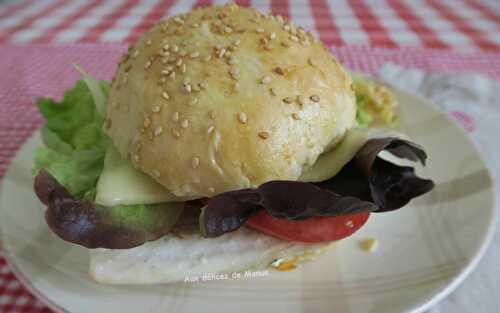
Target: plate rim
{"x": 419, "y": 308}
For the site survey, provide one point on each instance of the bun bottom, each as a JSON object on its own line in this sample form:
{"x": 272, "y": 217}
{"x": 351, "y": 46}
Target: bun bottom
{"x": 184, "y": 256}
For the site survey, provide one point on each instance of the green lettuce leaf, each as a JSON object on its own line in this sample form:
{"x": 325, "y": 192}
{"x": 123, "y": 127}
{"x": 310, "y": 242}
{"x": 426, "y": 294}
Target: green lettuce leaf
{"x": 75, "y": 144}
{"x": 68, "y": 167}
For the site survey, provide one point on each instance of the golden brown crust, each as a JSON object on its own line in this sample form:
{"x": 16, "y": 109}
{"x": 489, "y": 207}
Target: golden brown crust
{"x": 224, "y": 98}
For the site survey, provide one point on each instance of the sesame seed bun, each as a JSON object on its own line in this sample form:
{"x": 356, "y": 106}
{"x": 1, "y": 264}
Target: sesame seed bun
{"x": 225, "y": 98}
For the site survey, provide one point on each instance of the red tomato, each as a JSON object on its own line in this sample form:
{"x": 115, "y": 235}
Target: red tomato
{"x": 315, "y": 229}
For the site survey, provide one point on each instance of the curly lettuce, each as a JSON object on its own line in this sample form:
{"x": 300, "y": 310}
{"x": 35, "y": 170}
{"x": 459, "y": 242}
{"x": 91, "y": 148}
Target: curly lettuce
{"x": 68, "y": 167}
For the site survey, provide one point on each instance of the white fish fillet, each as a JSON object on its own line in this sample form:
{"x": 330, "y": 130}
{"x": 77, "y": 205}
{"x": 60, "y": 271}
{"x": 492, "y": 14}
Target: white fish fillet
{"x": 175, "y": 257}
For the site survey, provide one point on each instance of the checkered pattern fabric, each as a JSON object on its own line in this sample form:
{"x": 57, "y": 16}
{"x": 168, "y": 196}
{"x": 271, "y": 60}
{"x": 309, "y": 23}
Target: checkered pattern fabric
{"x": 437, "y": 24}
{"x": 458, "y": 35}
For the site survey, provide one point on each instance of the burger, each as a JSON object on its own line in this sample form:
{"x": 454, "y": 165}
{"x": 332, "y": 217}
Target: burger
{"x": 227, "y": 140}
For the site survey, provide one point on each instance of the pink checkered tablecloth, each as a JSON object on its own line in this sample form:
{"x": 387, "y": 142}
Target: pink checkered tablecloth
{"x": 437, "y": 24}
{"x": 458, "y": 35}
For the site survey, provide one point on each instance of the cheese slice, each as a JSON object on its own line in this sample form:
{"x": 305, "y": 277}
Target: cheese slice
{"x": 122, "y": 184}
{"x": 331, "y": 162}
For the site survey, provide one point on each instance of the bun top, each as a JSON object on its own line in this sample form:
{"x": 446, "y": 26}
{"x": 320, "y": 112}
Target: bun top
{"x": 225, "y": 98}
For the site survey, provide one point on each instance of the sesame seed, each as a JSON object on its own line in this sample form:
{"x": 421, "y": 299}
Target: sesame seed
{"x": 174, "y": 48}
{"x": 156, "y": 109}
{"x": 195, "y": 162}
{"x": 266, "y": 80}
{"x": 242, "y": 117}
{"x": 221, "y": 53}
{"x": 211, "y": 189}
{"x": 210, "y": 129}
{"x": 264, "y": 135}
{"x": 203, "y": 85}
{"x": 164, "y": 60}
{"x": 294, "y": 38}
{"x": 288, "y": 100}
{"x": 135, "y": 54}
{"x": 165, "y": 95}
{"x": 158, "y": 131}
{"x": 196, "y": 88}
{"x": 280, "y": 19}
{"x": 146, "y": 122}
{"x": 172, "y": 75}
{"x": 314, "y": 98}
{"x": 175, "y": 116}
{"x": 228, "y": 53}
{"x": 272, "y": 36}
{"x": 178, "y": 20}
{"x": 301, "y": 100}
{"x": 272, "y": 91}
{"x": 148, "y": 42}
{"x": 187, "y": 88}
{"x": 165, "y": 72}
{"x": 185, "y": 124}
{"x": 166, "y": 47}
{"x": 237, "y": 42}
{"x": 147, "y": 65}
{"x": 268, "y": 47}
{"x": 232, "y": 61}
{"x": 260, "y": 30}
{"x": 279, "y": 70}
{"x": 156, "y": 173}
{"x": 311, "y": 62}
{"x": 194, "y": 55}
{"x": 196, "y": 25}
{"x": 208, "y": 58}
{"x": 228, "y": 29}
{"x": 287, "y": 28}
{"x": 183, "y": 68}
{"x": 212, "y": 115}
{"x": 296, "y": 116}
{"x": 178, "y": 62}
{"x": 175, "y": 133}
{"x": 285, "y": 44}
{"x": 136, "y": 157}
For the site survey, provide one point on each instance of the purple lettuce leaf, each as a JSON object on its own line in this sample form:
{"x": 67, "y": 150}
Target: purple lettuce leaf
{"x": 366, "y": 184}
{"x": 94, "y": 226}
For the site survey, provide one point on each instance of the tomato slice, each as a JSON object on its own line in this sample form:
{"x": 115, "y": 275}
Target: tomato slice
{"x": 315, "y": 229}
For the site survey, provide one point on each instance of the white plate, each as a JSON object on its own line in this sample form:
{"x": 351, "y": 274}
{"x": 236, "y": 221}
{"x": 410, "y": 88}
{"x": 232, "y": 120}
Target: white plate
{"x": 425, "y": 250}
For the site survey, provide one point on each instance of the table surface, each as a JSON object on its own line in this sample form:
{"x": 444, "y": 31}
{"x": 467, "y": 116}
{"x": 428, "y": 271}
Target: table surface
{"x": 434, "y": 35}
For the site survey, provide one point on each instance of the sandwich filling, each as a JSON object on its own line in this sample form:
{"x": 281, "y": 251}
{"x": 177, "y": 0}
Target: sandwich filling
{"x": 97, "y": 199}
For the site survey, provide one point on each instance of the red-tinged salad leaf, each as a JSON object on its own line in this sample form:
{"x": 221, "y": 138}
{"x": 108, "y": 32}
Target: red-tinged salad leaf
{"x": 93, "y": 226}
{"x": 366, "y": 184}
{"x": 371, "y": 178}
